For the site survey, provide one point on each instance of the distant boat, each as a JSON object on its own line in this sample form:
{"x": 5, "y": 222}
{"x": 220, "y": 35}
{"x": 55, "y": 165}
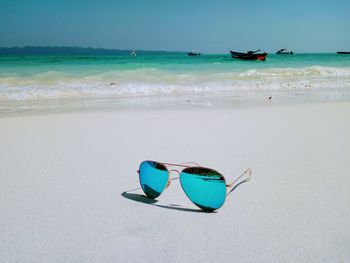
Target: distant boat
{"x": 133, "y": 53}
{"x": 193, "y": 53}
{"x": 284, "y": 51}
{"x": 250, "y": 55}
{"x": 343, "y": 52}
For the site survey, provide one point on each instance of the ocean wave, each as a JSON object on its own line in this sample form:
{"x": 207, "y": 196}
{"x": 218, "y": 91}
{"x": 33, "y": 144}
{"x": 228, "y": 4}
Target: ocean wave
{"x": 152, "y": 81}
{"x": 315, "y": 71}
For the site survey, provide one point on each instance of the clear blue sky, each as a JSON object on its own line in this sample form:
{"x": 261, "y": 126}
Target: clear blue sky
{"x": 208, "y": 26}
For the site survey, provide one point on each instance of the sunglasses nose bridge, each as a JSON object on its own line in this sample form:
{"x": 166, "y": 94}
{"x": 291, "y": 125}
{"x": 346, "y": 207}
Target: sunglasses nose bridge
{"x": 169, "y": 180}
{"x": 174, "y": 170}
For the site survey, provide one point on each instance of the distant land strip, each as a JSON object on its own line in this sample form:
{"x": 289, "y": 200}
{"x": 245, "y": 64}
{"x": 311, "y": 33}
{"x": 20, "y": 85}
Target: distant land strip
{"x": 78, "y": 51}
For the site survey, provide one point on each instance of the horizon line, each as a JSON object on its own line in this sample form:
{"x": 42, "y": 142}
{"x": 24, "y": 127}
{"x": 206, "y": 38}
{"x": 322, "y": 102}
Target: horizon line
{"x": 140, "y": 50}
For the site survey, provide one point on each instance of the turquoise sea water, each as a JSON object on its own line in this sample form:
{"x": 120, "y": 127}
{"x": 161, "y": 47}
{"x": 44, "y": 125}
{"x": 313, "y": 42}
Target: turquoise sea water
{"x": 34, "y": 80}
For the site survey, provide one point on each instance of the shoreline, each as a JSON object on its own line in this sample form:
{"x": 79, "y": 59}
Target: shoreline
{"x": 224, "y": 100}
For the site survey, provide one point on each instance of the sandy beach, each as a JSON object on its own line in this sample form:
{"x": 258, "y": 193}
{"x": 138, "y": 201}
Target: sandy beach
{"x": 69, "y": 189}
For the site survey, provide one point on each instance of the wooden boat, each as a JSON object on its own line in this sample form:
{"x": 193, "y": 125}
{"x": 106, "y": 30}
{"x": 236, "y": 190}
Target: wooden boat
{"x": 250, "y": 55}
{"x": 193, "y": 53}
{"x": 284, "y": 51}
{"x": 343, "y": 52}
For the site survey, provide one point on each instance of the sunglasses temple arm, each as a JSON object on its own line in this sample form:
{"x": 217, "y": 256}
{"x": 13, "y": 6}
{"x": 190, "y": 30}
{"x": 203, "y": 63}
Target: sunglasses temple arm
{"x": 233, "y": 185}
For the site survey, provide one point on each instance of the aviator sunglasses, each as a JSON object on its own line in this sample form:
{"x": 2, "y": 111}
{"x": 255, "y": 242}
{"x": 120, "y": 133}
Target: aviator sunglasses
{"x": 205, "y": 187}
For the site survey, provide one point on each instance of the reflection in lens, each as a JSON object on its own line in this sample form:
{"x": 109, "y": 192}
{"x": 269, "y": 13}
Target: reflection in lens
{"x": 206, "y": 188}
{"x": 153, "y": 178}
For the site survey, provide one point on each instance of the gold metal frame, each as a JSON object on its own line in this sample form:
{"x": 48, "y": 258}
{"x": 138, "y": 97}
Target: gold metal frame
{"x": 229, "y": 187}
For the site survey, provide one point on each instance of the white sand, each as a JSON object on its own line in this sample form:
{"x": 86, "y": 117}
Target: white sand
{"x": 62, "y": 176}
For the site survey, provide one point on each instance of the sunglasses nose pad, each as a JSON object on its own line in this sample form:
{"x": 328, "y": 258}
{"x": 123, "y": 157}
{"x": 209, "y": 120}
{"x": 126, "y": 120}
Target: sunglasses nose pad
{"x": 168, "y": 184}
{"x": 169, "y": 180}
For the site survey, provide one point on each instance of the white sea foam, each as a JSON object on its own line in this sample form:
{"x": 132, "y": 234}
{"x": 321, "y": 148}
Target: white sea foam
{"x": 151, "y": 81}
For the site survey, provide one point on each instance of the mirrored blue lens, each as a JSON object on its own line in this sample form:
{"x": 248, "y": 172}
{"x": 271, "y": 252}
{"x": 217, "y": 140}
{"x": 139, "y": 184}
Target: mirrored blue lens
{"x": 206, "y": 188}
{"x": 153, "y": 178}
